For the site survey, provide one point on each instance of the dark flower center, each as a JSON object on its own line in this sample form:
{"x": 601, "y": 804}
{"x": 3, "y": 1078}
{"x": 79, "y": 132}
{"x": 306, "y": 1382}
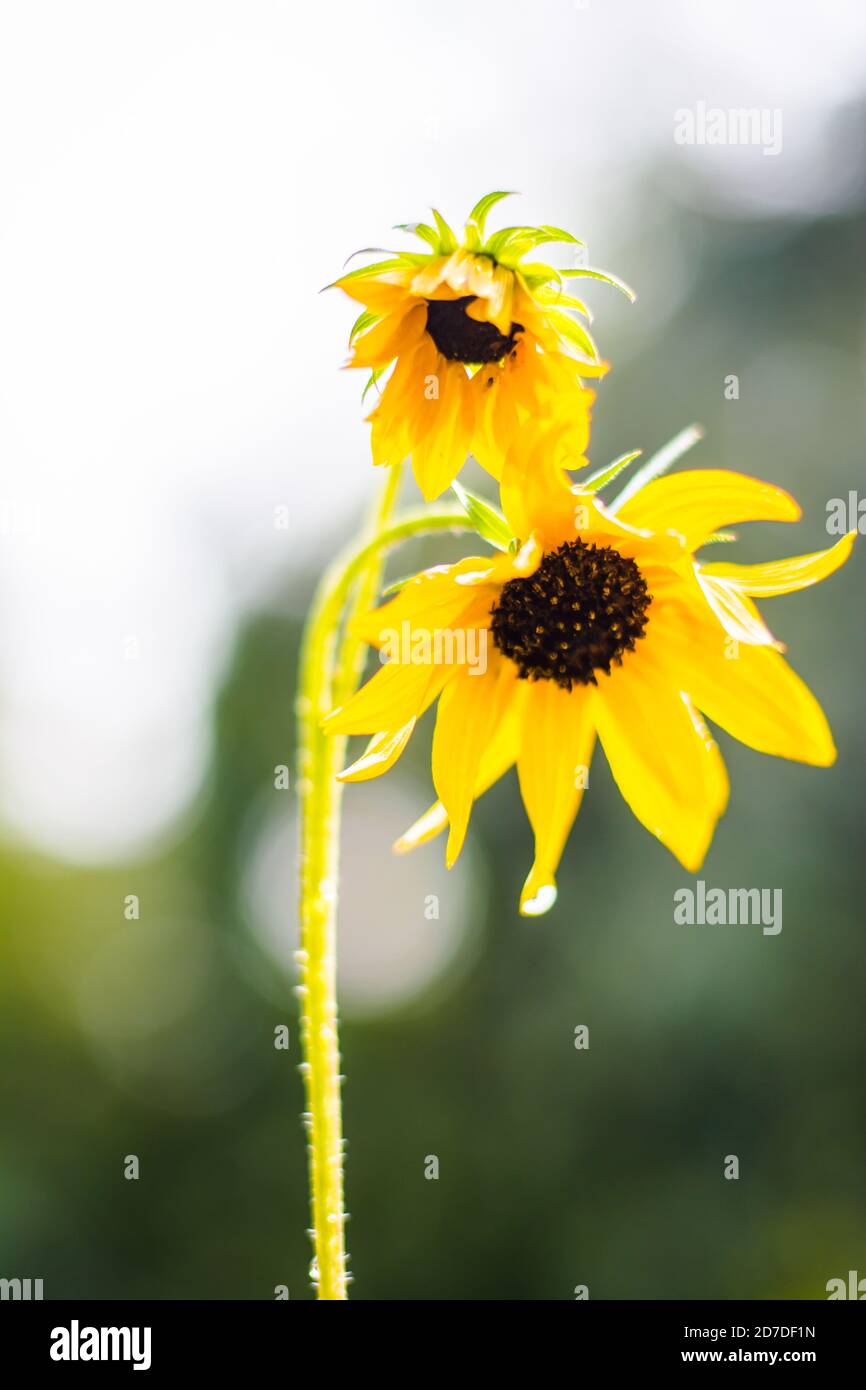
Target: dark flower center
{"x": 462, "y": 339}
{"x": 584, "y": 606}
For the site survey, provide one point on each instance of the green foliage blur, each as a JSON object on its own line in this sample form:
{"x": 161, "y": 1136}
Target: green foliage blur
{"x": 557, "y": 1166}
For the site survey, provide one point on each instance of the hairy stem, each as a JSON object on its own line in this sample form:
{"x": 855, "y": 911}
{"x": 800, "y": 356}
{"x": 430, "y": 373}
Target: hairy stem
{"x": 330, "y": 670}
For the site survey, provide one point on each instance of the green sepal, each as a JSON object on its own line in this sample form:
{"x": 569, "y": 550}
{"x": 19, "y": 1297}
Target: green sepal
{"x": 596, "y": 481}
{"x": 536, "y": 275}
{"x": 558, "y": 299}
{"x": 422, "y": 230}
{"x": 575, "y": 333}
{"x": 447, "y": 239}
{"x": 364, "y": 321}
{"x": 583, "y": 272}
{"x": 514, "y": 242}
{"x": 659, "y": 463}
{"x": 478, "y": 215}
{"x": 397, "y": 584}
{"x": 377, "y": 268}
{"x": 487, "y": 520}
{"x": 374, "y": 376}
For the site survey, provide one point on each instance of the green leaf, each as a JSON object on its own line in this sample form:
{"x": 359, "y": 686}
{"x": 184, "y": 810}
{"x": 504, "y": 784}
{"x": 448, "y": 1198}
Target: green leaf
{"x": 581, "y": 271}
{"x": 666, "y": 457}
{"x": 478, "y": 215}
{"x": 487, "y": 520}
{"x": 447, "y": 239}
{"x": 596, "y": 481}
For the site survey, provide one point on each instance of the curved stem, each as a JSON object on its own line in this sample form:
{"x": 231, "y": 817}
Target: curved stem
{"x": 353, "y": 650}
{"x": 326, "y": 677}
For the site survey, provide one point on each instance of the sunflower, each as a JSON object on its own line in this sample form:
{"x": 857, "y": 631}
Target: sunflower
{"x": 477, "y": 341}
{"x": 597, "y": 622}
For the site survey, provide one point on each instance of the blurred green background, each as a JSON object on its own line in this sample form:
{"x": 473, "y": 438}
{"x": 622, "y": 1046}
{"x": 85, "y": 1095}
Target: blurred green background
{"x": 557, "y": 1167}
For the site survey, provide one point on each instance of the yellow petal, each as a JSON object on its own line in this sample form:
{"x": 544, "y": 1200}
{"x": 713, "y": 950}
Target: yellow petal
{"x": 537, "y": 495}
{"x": 593, "y": 369}
{"x": 400, "y": 691}
{"x": 736, "y": 612}
{"x": 427, "y": 282}
{"x": 499, "y": 755}
{"x": 698, "y": 502}
{"x": 553, "y": 766}
{"x": 595, "y": 522}
{"x": 662, "y": 757}
{"x": 397, "y": 333}
{"x": 530, "y": 386}
{"x": 497, "y": 570}
{"x": 469, "y": 273}
{"x": 434, "y": 600}
{"x": 535, "y": 491}
{"x": 390, "y": 438}
{"x": 561, "y": 389}
{"x": 390, "y": 442}
{"x": 468, "y": 712}
{"x": 422, "y": 389}
{"x": 426, "y": 827}
{"x": 494, "y": 286}
{"x": 405, "y": 414}
{"x": 504, "y": 743}
{"x": 496, "y": 418}
{"x": 381, "y": 295}
{"x": 440, "y": 455}
{"x": 749, "y": 691}
{"x": 785, "y": 576}
{"x": 379, "y": 756}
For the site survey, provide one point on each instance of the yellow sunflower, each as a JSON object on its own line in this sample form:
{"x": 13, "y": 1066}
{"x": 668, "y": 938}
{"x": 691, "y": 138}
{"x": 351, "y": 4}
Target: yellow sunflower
{"x": 477, "y": 340}
{"x": 597, "y": 621}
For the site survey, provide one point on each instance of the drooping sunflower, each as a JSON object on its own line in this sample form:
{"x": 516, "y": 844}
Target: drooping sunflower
{"x": 477, "y": 341}
{"x": 600, "y": 622}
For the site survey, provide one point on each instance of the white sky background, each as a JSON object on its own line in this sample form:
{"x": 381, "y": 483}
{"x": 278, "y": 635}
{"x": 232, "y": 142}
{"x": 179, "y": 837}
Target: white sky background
{"x": 177, "y": 181}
